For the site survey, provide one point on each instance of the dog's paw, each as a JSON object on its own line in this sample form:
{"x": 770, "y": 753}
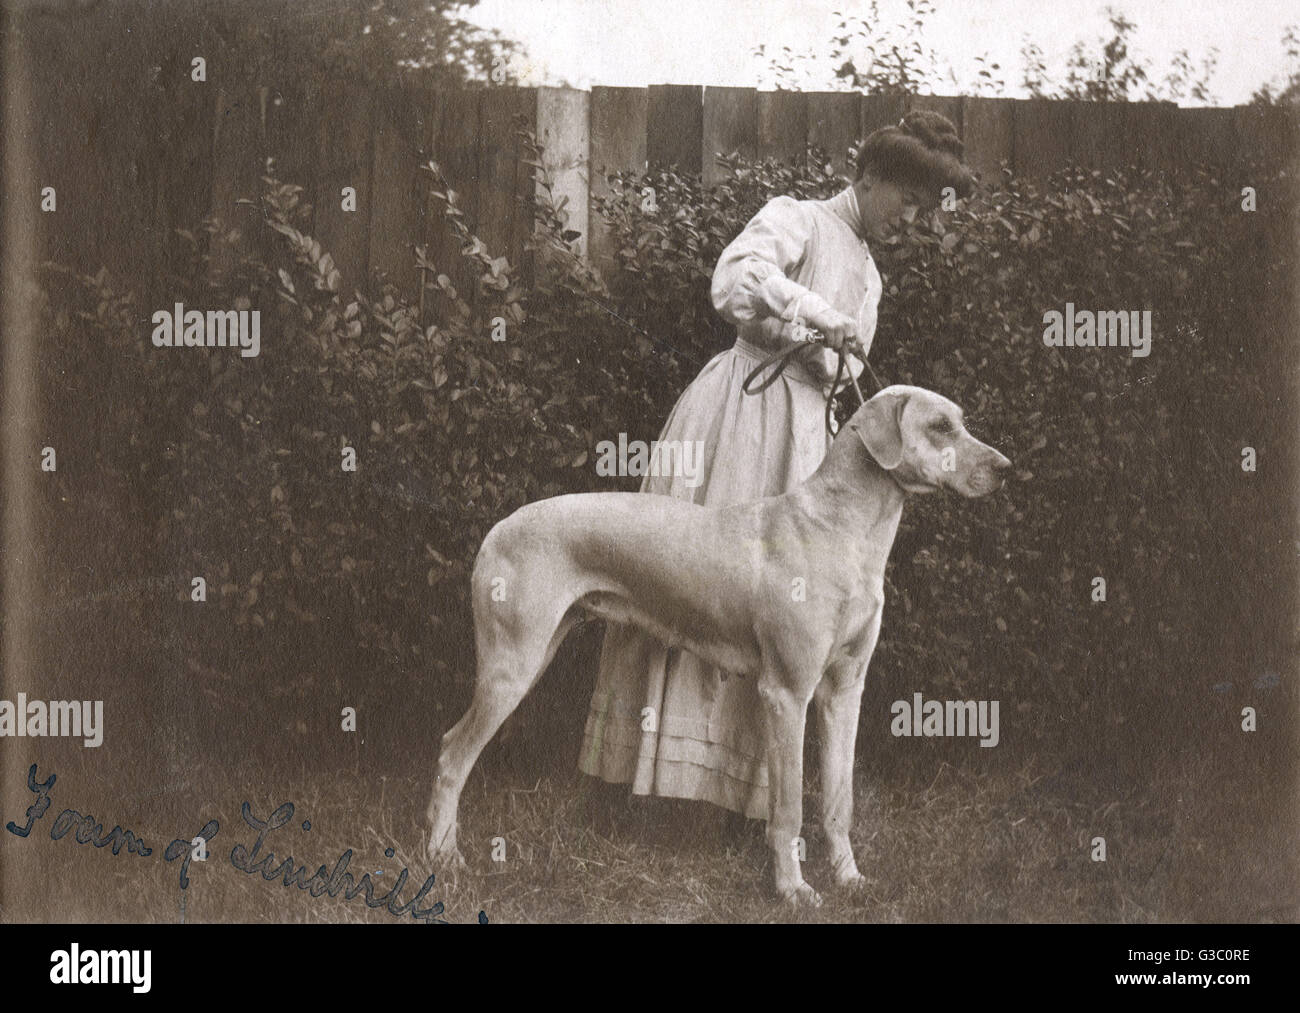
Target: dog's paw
{"x": 847, "y": 876}
{"x": 802, "y": 896}
{"x": 448, "y": 861}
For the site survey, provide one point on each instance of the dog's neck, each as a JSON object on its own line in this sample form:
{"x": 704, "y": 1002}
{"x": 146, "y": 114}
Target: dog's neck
{"x": 850, "y": 492}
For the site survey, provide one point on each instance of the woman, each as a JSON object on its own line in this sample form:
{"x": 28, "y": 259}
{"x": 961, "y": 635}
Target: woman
{"x": 660, "y": 718}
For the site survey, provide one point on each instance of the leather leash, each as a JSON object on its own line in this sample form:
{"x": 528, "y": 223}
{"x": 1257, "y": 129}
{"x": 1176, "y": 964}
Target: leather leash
{"x": 783, "y": 357}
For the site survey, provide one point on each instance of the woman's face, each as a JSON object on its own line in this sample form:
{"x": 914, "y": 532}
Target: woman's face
{"x": 884, "y": 205}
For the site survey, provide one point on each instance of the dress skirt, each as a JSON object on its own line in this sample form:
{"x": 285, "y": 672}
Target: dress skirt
{"x": 661, "y": 719}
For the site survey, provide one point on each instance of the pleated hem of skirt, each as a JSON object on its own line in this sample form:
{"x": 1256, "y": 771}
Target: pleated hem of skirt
{"x": 676, "y": 777}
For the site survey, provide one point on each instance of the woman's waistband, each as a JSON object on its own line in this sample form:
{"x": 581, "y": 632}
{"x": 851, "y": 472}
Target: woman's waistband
{"x": 794, "y": 370}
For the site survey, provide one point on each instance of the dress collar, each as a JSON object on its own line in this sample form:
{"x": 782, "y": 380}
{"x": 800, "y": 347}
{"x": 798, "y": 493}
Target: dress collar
{"x": 845, "y": 205}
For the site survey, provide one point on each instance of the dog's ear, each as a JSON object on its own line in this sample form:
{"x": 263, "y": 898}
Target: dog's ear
{"x": 879, "y": 424}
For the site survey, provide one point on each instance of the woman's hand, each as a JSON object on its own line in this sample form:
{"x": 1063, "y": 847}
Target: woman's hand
{"x": 835, "y": 327}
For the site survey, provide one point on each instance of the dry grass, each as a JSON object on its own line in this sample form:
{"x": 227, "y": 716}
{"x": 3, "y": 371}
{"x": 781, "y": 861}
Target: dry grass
{"x": 1013, "y": 847}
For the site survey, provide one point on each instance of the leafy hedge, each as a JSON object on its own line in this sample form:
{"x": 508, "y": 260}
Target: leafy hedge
{"x": 1127, "y": 468}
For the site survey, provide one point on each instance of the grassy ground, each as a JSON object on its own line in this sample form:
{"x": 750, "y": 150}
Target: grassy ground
{"x": 1189, "y": 845}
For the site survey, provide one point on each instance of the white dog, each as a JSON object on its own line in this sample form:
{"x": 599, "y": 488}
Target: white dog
{"x": 717, "y": 582}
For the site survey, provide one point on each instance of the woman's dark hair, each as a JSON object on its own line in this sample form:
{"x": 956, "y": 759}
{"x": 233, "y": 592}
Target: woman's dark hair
{"x": 922, "y": 152}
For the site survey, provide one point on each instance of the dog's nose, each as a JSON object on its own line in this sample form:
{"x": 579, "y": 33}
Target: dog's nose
{"x": 991, "y": 473}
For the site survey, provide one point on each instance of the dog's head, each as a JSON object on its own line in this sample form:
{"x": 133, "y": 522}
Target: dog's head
{"x": 918, "y": 437}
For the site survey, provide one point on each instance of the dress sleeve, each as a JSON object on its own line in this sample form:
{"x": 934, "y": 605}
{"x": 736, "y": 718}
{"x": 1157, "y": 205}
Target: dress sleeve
{"x": 752, "y": 279}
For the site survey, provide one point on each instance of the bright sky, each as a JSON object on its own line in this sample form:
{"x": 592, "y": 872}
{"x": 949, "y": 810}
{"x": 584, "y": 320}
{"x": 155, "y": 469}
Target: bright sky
{"x": 711, "y": 42}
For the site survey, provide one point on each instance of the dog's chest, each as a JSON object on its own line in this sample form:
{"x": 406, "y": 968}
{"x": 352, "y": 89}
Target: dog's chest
{"x": 858, "y": 622}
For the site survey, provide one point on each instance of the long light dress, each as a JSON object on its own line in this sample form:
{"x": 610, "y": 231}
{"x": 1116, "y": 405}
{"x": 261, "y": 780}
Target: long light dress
{"x": 661, "y": 719}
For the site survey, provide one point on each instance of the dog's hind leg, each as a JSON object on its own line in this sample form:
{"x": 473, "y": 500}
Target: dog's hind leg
{"x": 514, "y": 650}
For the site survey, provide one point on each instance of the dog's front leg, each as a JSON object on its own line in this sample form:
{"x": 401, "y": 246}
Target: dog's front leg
{"x": 839, "y": 701}
{"x": 784, "y": 715}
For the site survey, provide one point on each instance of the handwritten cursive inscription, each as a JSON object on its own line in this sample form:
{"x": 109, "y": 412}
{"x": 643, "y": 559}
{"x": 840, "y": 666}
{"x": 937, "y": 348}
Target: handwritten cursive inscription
{"x": 254, "y": 860}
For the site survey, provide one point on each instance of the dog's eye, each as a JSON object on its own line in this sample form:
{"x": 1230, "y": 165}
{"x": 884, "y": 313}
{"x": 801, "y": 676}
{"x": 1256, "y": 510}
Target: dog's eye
{"x": 942, "y": 426}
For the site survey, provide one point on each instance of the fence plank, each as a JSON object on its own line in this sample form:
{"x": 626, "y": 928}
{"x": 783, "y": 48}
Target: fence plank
{"x": 563, "y": 129}
{"x": 58, "y": 124}
{"x": 128, "y": 140}
{"x": 453, "y": 137}
{"x": 1166, "y": 149}
{"x": 291, "y": 138}
{"x": 834, "y": 125}
{"x": 505, "y": 183}
{"x": 1041, "y": 131}
{"x": 880, "y": 111}
{"x": 675, "y": 126}
{"x": 1148, "y": 138}
{"x": 618, "y": 142}
{"x": 1097, "y": 139}
{"x": 1267, "y": 133}
{"x": 988, "y": 134}
{"x": 946, "y": 105}
{"x": 1208, "y": 137}
{"x": 416, "y": 117}
{"x": 783, "y": 125}
{"x": 95, "y": 142}
{"x": 730, "y": 125}
{"x": 236, "y": 154}
{"x": 875, "y": 112}
{"x": 396, "y": 211}
{"x": 346, "y": 159}
{"x": 184, "y": 173}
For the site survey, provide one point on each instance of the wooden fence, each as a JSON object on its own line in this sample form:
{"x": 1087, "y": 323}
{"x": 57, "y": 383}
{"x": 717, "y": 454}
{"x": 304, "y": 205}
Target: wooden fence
{"x": 206, "y": 150}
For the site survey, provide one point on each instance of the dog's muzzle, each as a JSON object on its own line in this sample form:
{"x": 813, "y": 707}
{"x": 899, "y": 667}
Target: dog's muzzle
{"x": 989, "y": 476}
